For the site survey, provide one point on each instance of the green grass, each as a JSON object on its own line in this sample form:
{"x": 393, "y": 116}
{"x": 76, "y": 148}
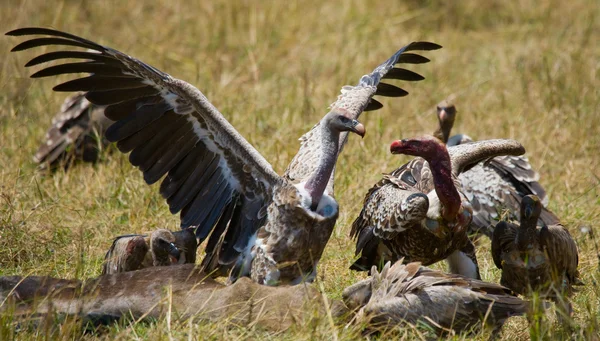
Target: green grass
{"x": 528, "y": 71}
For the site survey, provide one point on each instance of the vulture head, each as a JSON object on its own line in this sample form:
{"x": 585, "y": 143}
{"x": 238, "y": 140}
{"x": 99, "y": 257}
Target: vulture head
{"x": 164, "y": 251}
{"x": 338, "y": 123}
{"x": 531, "y": 208}
{"x": 428, "y": 147}
{"x": 446, "y": 113}
{"x": 434, "y": 151}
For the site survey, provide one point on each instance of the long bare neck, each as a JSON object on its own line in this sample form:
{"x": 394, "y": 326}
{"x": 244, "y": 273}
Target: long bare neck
{"x": 441, "y": 169}
{"x": 443, "y": 130}
{"x": 316, "y": 184}
{"x": 527, "y": 234}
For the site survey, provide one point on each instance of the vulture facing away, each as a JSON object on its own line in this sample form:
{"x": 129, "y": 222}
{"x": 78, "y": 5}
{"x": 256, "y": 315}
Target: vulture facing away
{"x": 411, "y": 293}
{"x": 419, "y": 212}
{"x": 496, "y": 184}
{"x": 161, "y": 248}
{"x": 257, "y": 223}
{"x": 76, "y": 134}
{"x": 535, "y": 258}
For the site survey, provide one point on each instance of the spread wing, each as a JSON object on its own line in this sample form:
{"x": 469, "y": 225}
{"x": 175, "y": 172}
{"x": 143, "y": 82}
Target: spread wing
{"x": 561, "y": 250}
{"x": 503, "y": 239}
{"x": 500, "y": 183}
{"x": 489, "y": 194}
{"x": 353, "y": 100}
{"x": 212, "y": 175}
{"x": 518, "y": 173}
{"x": 72, "y": 132}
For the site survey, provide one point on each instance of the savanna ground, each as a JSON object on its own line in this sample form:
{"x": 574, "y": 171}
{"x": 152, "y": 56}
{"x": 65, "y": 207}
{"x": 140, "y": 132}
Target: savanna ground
{"x": 528, "y": 71}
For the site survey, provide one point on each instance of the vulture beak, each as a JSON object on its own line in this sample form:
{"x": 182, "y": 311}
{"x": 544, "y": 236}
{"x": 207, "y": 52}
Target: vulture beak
{"x": 528, "y": 211}
{"x": 174, "y": 253}
{"x": 358, "y": 128}
{"x": 442, "y": 114}
{"x": 397, "y": 147}
{"x": 529, "y": 205}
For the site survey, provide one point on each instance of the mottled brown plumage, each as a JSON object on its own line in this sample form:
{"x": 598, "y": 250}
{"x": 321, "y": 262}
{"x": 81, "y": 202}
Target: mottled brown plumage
{"x": 217, "y": 181}
{"x": 76, "y": 134}
{"x": 414, "y": 294}
{"x": 418, "y": 212}
{"x": 495, "y": 185}
{"x": 160, "y": 248}
{"x": 542, "y": 259}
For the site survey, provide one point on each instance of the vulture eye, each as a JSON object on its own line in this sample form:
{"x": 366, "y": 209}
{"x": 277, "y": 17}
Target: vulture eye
{"x": 344, "y": 119}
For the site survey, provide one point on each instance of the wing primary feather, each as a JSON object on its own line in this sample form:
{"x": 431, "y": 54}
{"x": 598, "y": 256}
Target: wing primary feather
{"x": 403, "y": 74}
{"x": 166, "y": 139}
{"x": 116, "y": 96}
{"x": 197, "y": 209}
{"x": 412, "y": 58}
{"x": 181, "y": 148}
{"x": 373, "y": 105}
{"x": 28, "y": 44}
{"x": 83, "y": 67}
{"x": 118, "y": 111}
{"x": 388, "y": 90}
{"x": 50, "y": 56}
{"x": 153, "y": 138}
{"x": 194, "y": 183}
{"x": 100, "y": 83}
{"x": 422, "y": 46}
{"x": 177, "y": 176}
{"x": 213, "y": 246}
{"x": 136, "y": 121}
{"x": 40, "y": 30}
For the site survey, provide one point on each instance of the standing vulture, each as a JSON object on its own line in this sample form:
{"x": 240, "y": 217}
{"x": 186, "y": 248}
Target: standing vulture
{"x": 76, "y": 134}
{"x": 536, "y": 258}
{"x": 414, "y": 294}
{"x": 258, "y": 224}
{"x": 497, "y": 184}
{"x": 419, "y": 212}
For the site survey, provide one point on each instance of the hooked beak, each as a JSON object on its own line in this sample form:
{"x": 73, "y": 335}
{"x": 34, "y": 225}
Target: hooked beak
{"x": 174, "y": 253}
{"x": 358, "y": 128}
{"x": 397, "y": 147}
{"x": 528, "y": 211}
{"x": 442, "y": 114}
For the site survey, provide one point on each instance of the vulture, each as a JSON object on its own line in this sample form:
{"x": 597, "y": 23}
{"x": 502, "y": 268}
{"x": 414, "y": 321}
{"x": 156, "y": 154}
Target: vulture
{"x": 256, "y": 223}
{"x": 419, "y": 212}
{"x": 410, "y": 293}
{"x": 76, "y": 134}
{"x": 531, "y": 257}
{"x": 163, "y": 247}
{"x": 495, "y": 185}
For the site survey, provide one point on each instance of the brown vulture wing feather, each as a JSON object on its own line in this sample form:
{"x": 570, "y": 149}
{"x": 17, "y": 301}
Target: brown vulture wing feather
{"x": 204, "y": 161}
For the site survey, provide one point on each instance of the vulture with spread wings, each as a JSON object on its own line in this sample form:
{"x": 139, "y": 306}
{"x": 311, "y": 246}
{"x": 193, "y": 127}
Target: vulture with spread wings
{"x": 257, "y": 223}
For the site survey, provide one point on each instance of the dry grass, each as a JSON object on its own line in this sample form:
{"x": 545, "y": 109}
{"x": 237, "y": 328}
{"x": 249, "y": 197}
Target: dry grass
{"x": 529, "y": 71}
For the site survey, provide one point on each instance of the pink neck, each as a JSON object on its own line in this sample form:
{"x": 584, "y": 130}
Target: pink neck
{"x": 441, "y": 170}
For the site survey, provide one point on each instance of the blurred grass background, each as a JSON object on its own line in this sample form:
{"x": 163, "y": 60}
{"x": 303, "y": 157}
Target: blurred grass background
{"x": 528, "y": 70}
